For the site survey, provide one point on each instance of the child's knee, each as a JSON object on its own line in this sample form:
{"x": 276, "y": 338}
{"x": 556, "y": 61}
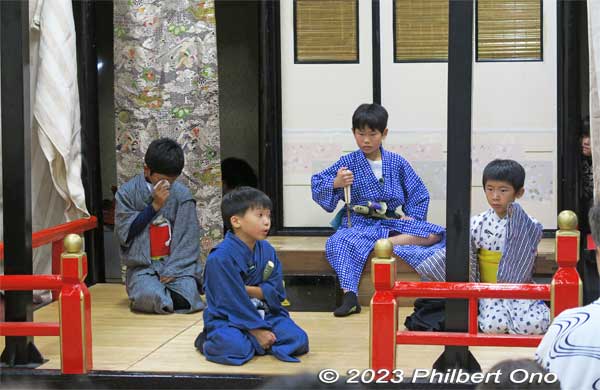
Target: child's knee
{"x": 493, "y": 325}
{"x": 228, "y": 342}
{"x": 297, "y": 333}
{"x": 493, "y": 317}
{"x": 340, "y": 240}
{"x": 302, "y": 337}
{"x": 538, "y": 324}
{"x": 151, "y": 302}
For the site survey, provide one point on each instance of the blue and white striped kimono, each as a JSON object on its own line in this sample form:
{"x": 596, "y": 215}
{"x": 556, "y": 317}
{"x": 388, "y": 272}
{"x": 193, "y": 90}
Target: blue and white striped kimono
{"x": 347, "y": 249}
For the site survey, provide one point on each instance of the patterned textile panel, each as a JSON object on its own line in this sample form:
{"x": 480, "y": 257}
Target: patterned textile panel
{"x": 165, "y": 56}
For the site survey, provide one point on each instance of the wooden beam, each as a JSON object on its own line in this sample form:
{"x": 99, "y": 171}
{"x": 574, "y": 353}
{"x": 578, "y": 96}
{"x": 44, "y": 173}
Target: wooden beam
{"x": 458, "y": 186}
{"x": 16, "y": 172}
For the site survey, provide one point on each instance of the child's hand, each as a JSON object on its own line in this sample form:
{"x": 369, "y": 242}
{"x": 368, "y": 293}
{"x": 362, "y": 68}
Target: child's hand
{"x": 265, "y": 338}
{"x": 255, "y": 292}
{"x": 344, "y": 178}
{"x": 160, "y": 194}
{"x": 166, "y": 279}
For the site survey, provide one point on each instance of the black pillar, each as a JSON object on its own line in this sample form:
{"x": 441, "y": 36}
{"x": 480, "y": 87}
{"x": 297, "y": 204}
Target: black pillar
{"x": 84, "y": 14}
{"x": 458, "y": 185}
{"x": 376, "y": 47}
{"x": 569, "y": 115}
{"x": 269, "y": 118}
{"x": 16, "y": 172}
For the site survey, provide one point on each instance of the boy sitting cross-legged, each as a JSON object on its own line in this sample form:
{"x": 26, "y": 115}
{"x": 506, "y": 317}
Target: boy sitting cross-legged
{"x": 378, "y": 178}
{"x": 243, "y": 282}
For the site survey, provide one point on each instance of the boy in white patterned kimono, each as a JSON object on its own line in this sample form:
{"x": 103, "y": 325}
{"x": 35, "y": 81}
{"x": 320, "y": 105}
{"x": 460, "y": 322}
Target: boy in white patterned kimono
{"x": 504, "y": 242}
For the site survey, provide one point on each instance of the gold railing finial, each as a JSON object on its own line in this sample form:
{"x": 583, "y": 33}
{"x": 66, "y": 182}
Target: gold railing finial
{"x": 73, "y": 243}
{"x": 383, "y": 248}
{"x": 567, "y": 220}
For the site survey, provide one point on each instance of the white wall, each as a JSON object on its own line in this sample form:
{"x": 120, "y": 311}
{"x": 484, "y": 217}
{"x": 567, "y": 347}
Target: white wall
{"x": 318, "y": 101}
{"x": 514, "y": 116}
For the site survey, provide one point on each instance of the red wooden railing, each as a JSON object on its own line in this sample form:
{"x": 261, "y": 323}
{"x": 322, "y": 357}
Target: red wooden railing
{"x": 564, "y": 292}
{"x": 591, "y": 245}
{"x": 75, "y": 316}
{"x": 54, "y": 235}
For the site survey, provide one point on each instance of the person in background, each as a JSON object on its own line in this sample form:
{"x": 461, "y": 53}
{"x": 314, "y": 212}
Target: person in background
{"x": 235, "y": 173}
{"x": 571, "y": 347}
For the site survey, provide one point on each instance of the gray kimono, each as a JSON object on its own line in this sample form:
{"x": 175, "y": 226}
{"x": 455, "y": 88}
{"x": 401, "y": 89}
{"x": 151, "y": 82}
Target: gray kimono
{"x": 146, "y": 292}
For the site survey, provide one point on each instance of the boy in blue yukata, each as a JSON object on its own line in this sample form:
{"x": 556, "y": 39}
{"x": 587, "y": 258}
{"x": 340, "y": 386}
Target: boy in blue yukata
{"x": 243, "y": 281}
{"x": 158, "y": 232}
{"x": 504, "y": 241}
{"x": 379, "y": 177}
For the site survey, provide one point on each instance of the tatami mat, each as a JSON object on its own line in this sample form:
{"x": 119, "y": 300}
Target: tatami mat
{"x": 126, "y": 341}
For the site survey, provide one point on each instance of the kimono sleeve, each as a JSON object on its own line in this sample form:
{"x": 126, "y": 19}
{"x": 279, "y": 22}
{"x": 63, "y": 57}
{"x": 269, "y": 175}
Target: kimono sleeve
{"x": 547, "y": 345}
{"x": 185, "y": 243}
{"x": 415, "y": 193}
{"x": 272, "y": 288}
{"x": 227, "y": 294}
{"x": 473, "y": 249}
{"x": 322, "y": 188}
{"x": 474, "y": 275}
{"x": 125, "y": 214}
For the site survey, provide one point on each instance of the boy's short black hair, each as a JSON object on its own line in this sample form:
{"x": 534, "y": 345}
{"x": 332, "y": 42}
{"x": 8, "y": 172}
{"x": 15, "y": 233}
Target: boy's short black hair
{"x": 370, "y": 115}
{"x": 165, "y": 156}
{"x": 240, "y": 200}
{"x": 509, "y": 171}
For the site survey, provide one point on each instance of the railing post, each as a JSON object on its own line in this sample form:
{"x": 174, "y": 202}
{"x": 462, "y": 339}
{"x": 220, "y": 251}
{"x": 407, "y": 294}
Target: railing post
{"x": 566, "y": 288}
{"x": 75, "y": 310}
{"x": 383, "y": 322}
{"x": 57, "y": 249}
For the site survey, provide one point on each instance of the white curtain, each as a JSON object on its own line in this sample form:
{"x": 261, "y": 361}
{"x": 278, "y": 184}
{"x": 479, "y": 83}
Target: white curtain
{"x": 56, "y": 101}
{"x": 56, "y": 190}
{"x": 594, "y": 49}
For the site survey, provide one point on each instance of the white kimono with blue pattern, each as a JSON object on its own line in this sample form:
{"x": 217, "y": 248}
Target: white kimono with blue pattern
{"x": 347, "y": 249}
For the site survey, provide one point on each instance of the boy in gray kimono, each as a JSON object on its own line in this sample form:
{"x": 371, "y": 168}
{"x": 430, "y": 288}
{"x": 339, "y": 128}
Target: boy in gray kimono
{"x": 159, "y": 235}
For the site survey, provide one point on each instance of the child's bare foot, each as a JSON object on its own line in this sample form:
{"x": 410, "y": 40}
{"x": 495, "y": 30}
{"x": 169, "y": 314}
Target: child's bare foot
{"x": 265, "y": 338}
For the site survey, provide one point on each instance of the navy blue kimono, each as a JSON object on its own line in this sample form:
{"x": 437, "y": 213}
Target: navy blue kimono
{"x": 230, "y": 314}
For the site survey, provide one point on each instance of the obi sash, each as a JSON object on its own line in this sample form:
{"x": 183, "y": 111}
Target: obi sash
{"x": 488, "y": 265}
{"x": 160, "y": 239}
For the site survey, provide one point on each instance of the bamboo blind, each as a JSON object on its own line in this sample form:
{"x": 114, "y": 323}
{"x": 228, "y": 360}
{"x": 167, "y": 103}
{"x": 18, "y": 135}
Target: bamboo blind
{"x": 421, "y": 30}
{"x": 326, "y": 30}
{"x": 509, "y": 30}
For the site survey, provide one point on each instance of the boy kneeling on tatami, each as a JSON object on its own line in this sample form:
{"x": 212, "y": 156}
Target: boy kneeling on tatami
{"x": 244, "y": 289}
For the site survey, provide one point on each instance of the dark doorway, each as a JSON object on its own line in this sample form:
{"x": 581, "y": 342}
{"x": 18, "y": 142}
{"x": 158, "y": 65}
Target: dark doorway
{"x": 238, "y": 59}
{"x": 106, "y": 134}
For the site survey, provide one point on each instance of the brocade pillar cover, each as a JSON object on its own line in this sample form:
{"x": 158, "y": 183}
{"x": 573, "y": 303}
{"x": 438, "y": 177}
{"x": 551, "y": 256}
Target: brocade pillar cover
{"x": 165, "y": 59}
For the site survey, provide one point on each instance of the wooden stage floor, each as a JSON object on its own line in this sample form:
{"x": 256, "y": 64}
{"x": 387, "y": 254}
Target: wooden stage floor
{"x": 126, "y": 341}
